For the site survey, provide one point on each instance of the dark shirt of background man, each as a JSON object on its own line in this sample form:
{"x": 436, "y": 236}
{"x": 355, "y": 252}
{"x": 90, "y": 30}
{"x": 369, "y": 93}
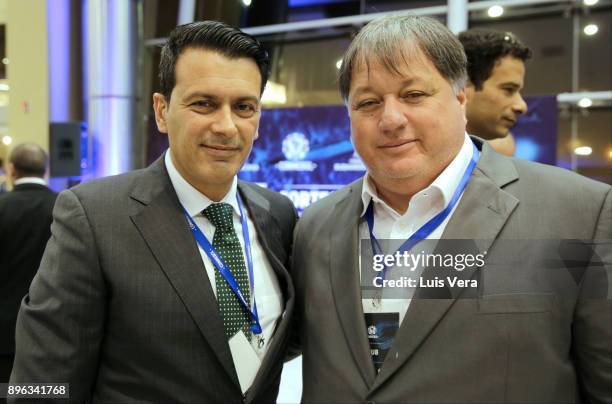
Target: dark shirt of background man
{"x": 25, "y": 220}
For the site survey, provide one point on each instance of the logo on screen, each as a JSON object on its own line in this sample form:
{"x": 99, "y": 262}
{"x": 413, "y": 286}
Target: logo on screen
{"x": 295, "y": 146}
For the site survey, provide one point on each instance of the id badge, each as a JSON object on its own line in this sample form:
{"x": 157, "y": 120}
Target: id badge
{"x": 381, "y": 329}
{"x": 249, "y": 361}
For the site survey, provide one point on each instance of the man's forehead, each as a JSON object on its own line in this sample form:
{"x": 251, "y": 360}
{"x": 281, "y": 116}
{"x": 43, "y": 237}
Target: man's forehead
{"x": 394, "y": 60}
{"x": 409, "y": 66}
{"x": 509, "y": 66}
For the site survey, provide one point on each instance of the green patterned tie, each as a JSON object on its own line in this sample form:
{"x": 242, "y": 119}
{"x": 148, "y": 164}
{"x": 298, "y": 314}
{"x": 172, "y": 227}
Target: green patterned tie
{"x": 226, "y": 243}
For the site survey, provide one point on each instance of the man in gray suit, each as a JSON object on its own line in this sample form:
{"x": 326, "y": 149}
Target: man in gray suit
{"x": 170, "y": 284}
{"x": 527, "y": 319}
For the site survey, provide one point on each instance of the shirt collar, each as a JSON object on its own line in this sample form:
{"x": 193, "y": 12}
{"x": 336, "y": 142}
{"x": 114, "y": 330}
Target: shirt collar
{"x": 445, "y": 184}
{"x": 30, "y": 180}
{"x": 193, "y": 200}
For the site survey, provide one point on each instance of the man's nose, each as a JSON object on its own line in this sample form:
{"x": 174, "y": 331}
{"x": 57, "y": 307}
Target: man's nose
{"x": 224, "y": 122}
{"x": 392, "y": 117}
{"x": 520, "y": 106}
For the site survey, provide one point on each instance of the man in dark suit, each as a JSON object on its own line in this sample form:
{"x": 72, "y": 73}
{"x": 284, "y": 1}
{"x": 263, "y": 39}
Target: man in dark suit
{"x": 25, "y": 227}
{"x": 170, "y": 284}
{"x": 495, "y": 286}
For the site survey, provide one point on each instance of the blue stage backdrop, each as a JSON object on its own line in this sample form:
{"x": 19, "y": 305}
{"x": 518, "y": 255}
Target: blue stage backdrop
{"x": 306, "y": 153}
{"x": 536, "y": 131}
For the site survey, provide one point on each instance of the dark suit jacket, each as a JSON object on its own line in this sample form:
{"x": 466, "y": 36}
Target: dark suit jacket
{"x": 530, "y": 332}
{"x": 25, "y": 227}
{"x": 122, "y": 308}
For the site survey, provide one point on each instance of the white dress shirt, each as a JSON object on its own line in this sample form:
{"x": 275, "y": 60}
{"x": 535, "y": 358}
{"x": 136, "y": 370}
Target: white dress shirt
{"x": 30, "y": 180}
{"x": 267, "y": 291}
{"x": 424, "y": 205}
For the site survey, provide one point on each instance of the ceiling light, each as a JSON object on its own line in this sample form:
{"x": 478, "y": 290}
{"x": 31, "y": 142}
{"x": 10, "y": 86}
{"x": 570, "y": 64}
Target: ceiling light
{"x": 339, "y": 64}
{"x": 246, "y": 2}
{"x": 585, "y": 103}
{"x": 583, "y": 151}
{"x": 590, "y": 2}
{"x": 495, "y": 11}
{"x": 5, "y": 61}
{"x": 591, "y": 29}
{"x": 7, "y": 140}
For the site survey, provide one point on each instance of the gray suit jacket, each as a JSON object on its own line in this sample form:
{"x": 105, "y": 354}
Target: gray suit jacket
{"x": 122, "y": 308}
{"x": 530, "y": 332}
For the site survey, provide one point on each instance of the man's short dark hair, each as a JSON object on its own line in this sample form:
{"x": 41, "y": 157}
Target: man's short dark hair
{"x": 29, "y": 160}
{"x": 484, "y": 47}
{"x": 210, "y": 35}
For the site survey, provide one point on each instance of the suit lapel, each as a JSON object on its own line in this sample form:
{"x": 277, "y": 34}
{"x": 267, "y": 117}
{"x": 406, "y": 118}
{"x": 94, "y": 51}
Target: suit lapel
{"x": 268, "y": 232}
{"x": 162, "y": 224}
{"x": 480, "y": 216}
{"x": 346, "y": 285}
{"x": 269, "y": 235}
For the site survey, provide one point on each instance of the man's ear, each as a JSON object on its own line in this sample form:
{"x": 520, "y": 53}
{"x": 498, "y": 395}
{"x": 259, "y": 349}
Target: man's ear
{"x": 11, "y": 172}
{"x": 470, "y": 89}
{"x": 462, "y": 98}
{"x": 160, "y": 106}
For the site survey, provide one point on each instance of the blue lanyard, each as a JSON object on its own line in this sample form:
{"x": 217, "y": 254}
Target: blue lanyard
{"x": 424, "y": 231}
{"x": 224, "y": 269}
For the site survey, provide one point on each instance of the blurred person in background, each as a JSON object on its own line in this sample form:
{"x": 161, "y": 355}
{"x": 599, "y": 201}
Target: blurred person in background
{"x": 25, "y": 227}
{"x": 2, "y": 177}
{"x": 496, "y": 75}
{"x": 505, "y": 145}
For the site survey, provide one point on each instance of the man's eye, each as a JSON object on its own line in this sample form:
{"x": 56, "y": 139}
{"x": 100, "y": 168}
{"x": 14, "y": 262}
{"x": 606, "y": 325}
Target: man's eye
{"x": 202, "y": 104}
{"x": 367, "y": 104}
{"x": 246, "y": 110}
{"x": 413, "y": 95}
{"x": 245, "y": 107}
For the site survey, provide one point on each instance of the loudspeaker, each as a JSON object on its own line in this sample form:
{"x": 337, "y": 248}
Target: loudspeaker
{"x": 65, "y": 149}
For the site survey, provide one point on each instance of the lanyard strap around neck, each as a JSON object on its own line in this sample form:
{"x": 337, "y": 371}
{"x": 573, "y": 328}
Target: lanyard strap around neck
{"x": 224, "y": 270}
{"x": 424, "y": 231}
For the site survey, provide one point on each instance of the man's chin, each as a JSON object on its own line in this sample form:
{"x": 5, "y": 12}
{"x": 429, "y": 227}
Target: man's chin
{"x": 397, "y": 174}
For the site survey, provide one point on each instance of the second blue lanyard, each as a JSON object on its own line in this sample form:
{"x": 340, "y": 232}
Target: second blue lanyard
{"x": 424, "y": 231}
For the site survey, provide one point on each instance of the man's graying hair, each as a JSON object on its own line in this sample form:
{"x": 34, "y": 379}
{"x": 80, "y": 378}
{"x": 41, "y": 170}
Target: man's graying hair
{"x": 391, "y": 40}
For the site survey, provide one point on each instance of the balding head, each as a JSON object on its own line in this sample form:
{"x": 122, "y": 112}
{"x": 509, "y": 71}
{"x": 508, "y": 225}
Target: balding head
{"x": 28, "y": 160}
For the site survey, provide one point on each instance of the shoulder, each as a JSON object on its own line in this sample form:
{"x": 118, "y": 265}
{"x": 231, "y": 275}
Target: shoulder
{"x": 568, "y": 202}
{"x": 272, "y": 197}
{"x": 103, "y": 189}
{"x": 278, "y": 205}
{"x": 550, "y": 181}
{"x": 324, "y": 208}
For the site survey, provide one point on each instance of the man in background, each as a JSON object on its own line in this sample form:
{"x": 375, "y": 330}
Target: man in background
{"x": 130, "y": 303}
{"x": 25, "y": 221}
{"x": 496, "y": 74}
